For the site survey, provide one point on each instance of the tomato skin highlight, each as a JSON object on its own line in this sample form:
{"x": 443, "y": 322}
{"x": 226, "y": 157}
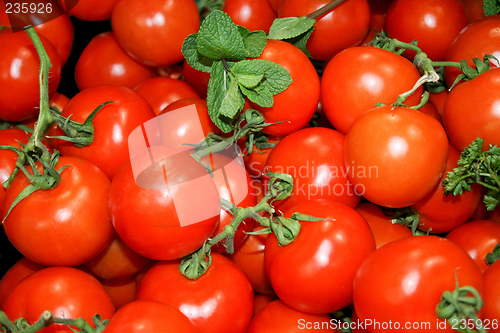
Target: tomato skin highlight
{"x": 251, "y": 14}
{"x": 387, "y": 148}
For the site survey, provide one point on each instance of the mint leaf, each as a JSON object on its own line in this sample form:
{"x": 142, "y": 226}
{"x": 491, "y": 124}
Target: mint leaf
{"x": 260, "y": 95}
{"x": 254, "y": 41}
{"x": 249, "y": 81}
{"x": 219, "y": 38}
{"x": 233, "y": 102}
{"x": 276, "y": 77}
{"x": 218, "y": 87}
{"x": 290, "y": 27}
{"x": 301, "y": 41}
{"x": 491, "y": 7}
{"x": 193, "y": 57}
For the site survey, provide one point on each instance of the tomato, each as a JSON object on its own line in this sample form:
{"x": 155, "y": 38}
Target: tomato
{"x": 433, "y": 23}
{"x": 344, "y": 26}
{"x": 162, "y": 91}
{"x": 72, "y": 224}
{"x": 256, "y": 161}
{"x": 475, "y": 41}
{"x": 249, "y": 257}
{"x": 196, "y": 79}
{"x": 19, "y": 67}
{"x": 439, "y": 99}
{"x": 21, "y": 269}
{"x": 297, "y": 104}
{"x": 328, "y": 251}
{"x": 113, "y": 124}
{"x": 475, "y": 9}
{"x": 314, "y": 158}
{"x": 430, "y": 109}
{"x": 383, "y": 230}
{"x": 478, "y": 238}
{"x": 67, "y": 292}
{"x": 261, "y": 300}
{"x": 279, "y": 317}
{"x": 117, "y": 261}
{"x": 275, "y": 4}
{"x": 439, "y": 213}
{"x": 221, "y": 300}
{"x": 121, "y": 291}
{"x": 104, "y": 62}
{"x": 251, "y": 14}
{"x": 234, "y": 185}
{"x": 359, "y": 77}
{"x": 395, "y": 156}
{"x": 93, "y": 10}
{"x": 152, "y": 31}
{"x": 491, "y": 297}
{"x": 162, "y": 219}
{"x": 471, "y": 111}
{"x": 411, "y": 274}
{"x": 149, "y": 316}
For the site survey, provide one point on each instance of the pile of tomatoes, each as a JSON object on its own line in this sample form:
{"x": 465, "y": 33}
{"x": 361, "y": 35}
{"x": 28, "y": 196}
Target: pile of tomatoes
{"x": 367, "y": 157}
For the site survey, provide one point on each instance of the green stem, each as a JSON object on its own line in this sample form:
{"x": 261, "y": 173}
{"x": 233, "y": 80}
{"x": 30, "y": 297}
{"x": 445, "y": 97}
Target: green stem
{"x": 79, "y": 323}
{"x": 445, "y": 63}
{"x": 45, "y": 320}
{"x": 423, "y": 79}
{"x": 493, "y": 175}
{"x": 5, "y": 322}
{"x": 325, "y": 9}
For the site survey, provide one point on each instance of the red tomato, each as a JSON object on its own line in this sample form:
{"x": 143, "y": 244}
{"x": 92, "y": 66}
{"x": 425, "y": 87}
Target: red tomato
{"x": 475, "y": 41}
{"x": 21, "y": 269}
{"x": 249, "y": 256}
{"x": 251, "y": 14}
{"x": 221, "y": 300}
{"x": 58, "y": 101}
{"x": 279, "y": 317}
{"x": 113, "y": 124}
{"x": 475, "y": 9}
{"x": 395, "y": 156}
{"x": 430, "y": 109}
{"x": 439, "y": 213}
{"x": 67, "y": 292}
{"x": 196, "y": 79}
{"x": 149, "y": 316}
{"x": 491, "y": 297}
{"x": 415, "y": 273}
{"x": 256, "y": 161}
{"x": 19, "y": 67}
{"x": 327, "y": 251}
{"x": 314, "y": 158}
{"x": 162, "y": 91}
{"x": 152, "y": 31}
{"x": 93, "y": 10}
{"x": 478, "y": 238}
{"x": 121, "y": 291}
{"x": 344, "y": 26}
{"x": 261, "y": 300}
{"x": 297, "y": 104}
{"x": 72, "y": 223}
{"x": 117, "y": 261}
{"x": 275, "y": 4}
{"x": 110, "y": 65}
{"x": 439, "y": 99}
{"x": 383, "y": 230}
{"x": 471, "y": 111}
{"x": 433, "y": 23}
{"x": 162, "y": 219}
{"x": 359, "y": 77}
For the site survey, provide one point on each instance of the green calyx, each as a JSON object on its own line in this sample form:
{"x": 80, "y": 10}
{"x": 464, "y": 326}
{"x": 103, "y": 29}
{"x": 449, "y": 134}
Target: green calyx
{"x": 494, "y": 255}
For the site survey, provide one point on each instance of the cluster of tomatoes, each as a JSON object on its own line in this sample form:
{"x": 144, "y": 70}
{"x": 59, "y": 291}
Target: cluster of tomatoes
{"x": 110, "y": 238}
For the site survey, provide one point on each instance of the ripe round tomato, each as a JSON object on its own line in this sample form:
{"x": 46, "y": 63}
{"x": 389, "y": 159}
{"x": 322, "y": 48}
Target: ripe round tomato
{"x": 152, "y": 31}
{"x": 221, "y": 300}
{"x": 344, "y": 26}
{"x": 256, "y": 161}
{"x": 478, "y": 238}
{"x": 113, "y": 124}
{"x": 297, "y": 104}
{"x": 395, "y": 156}
{"x": 121, "y": 291}
{"x": 411, "y": 274}
{"x": 491, "y": 297}
{"x": 314, "y": 157}
{"x": 93, "y": 10}
{"x": 328, "y": 251}
{"x": 359, "y": 77}
{"x": 117, "y": 261}
{"x": 110, "y": 65}
{"x": 433, "y": 23}
{"x": 149, "y": 316}
{"x": 72, "y": 222}
{"x": 196, "y": 79}
{"x": 19, "y": 67}
{"x": 279, "y": 317}
{"x": 383, "y": 230}
{"x": 67, "y": 292}
{"x": 261, "y": 300}
{"x": 160, "y": 218}
{"x": 471, "y": 111}
{"x": 251, "y": 14}
{"x": 162, "y": 91}
{"x": 475, "y": 41}
{"x": 439, "y": 213}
